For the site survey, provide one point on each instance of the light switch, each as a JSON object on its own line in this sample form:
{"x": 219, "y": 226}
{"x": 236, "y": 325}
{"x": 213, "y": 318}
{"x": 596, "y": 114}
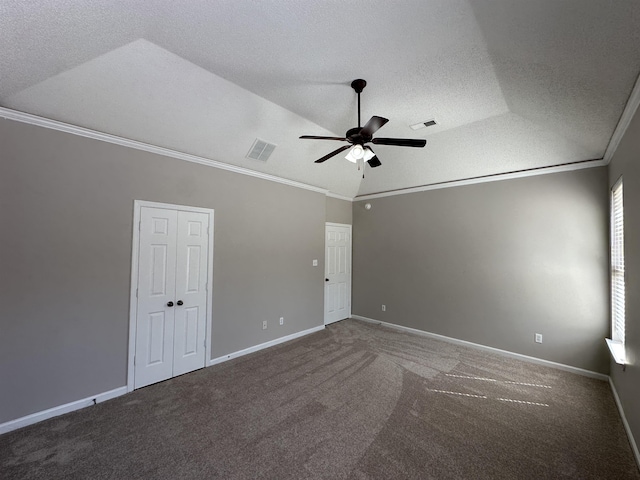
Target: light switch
{"x": 315, "y": 263}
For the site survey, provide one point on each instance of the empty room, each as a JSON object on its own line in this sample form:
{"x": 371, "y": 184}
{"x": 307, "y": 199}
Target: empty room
{"x": 320, "y": 239}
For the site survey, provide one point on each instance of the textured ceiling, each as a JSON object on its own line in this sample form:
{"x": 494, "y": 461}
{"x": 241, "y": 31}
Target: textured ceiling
{"x": 513, "y": 84}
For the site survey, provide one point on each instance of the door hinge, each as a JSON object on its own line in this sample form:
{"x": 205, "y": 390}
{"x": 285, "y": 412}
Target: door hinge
{"x": 136, "y": 293}
{"x": 140, "y": 225}
{"x": 134, "y": 360}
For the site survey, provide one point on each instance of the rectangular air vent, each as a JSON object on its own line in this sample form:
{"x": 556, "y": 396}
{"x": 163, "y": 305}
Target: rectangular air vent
{"x": 425, "y": 124}
{"x": 261, "y": 150}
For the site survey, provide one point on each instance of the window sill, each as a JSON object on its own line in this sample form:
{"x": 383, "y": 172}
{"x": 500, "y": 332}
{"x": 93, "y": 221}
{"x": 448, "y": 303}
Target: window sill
{"x": 617, "y": 351}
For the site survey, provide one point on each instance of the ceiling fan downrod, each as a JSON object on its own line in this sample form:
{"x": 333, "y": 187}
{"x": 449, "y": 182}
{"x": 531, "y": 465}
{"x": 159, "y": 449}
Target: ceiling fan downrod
{"x": 358, "y": 85}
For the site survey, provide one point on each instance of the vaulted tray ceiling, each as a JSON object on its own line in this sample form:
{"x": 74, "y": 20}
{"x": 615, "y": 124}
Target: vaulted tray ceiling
{"x": 513, "y": 85}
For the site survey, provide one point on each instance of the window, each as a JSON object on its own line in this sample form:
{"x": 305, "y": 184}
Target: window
{"x": 617, "y": 274}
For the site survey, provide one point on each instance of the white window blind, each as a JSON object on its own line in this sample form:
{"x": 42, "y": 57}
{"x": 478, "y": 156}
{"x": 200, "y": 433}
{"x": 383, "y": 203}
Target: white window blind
{"x": 617, "y": 263}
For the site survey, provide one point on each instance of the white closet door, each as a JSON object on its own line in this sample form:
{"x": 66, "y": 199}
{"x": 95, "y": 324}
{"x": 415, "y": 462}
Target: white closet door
{"x": 156, "y": 296}
{"x": 191, "y": 292}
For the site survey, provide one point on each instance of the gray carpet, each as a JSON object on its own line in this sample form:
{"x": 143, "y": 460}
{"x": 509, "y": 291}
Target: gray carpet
{"x": 354, "y": 401}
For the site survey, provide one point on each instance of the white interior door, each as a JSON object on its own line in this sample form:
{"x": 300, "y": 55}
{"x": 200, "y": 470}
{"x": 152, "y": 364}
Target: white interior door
{"x": 171, "y": 313}
{"x": 156, "y": 292}
{"x": 337, "y": 291}
{"x": 191, "y": 292}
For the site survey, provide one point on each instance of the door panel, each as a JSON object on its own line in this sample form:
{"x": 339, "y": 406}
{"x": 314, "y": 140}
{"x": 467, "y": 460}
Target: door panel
{"x": 191, "y": 282}
{"x": 191, "y": 331}
{"x": 156, "y": 287}
{"x": 343, "y": 301}
{"x": 193, "y": 276}
{"x": 155, "y": 349}
{"x": 337, "y": 273}
{"x": 158, "y": 271}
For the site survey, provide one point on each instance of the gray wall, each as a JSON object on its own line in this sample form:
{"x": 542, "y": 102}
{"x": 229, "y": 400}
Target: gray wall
{"x": 67, "y": 206}
{"x": 626, "y": 162}
{"x": 493, "y": 263}
{"x": 339, "y": 211}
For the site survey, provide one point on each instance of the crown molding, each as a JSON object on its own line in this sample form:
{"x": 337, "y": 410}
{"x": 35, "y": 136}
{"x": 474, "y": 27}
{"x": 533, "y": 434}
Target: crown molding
{"x": 623, "y": 124}
{"x": 625, "y": 119}
{"x": 339, "y": 197}
{"x": 488, "y": 178}
{"x": 30, "y": 119}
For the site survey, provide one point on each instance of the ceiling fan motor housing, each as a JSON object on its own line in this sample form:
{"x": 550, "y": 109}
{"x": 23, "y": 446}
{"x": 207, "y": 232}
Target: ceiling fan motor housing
{"x": 354, "y": 136}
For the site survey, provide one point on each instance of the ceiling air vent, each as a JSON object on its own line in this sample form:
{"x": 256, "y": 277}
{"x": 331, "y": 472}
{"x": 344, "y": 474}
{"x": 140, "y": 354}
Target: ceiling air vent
{"x": 261, "y": 150}
{"x": 420, "y": 125}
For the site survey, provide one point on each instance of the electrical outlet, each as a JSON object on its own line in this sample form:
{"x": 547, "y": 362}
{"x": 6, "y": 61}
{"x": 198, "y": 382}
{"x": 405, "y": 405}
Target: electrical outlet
{"x": 264, "y": 324}
{"x": 281, "y": 320}
{"x": 538, "y": 338}
{"x": 384, "y": 308}
{"x": 315, "y": 263}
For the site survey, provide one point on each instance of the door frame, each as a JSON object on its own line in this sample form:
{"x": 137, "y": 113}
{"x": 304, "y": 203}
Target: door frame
{"x": 133, "y": 298}
{"x": 350, "y": 228}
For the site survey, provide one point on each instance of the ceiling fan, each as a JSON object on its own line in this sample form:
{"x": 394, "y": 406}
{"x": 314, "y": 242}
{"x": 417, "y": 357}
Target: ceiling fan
{"x": 359, "y": 136}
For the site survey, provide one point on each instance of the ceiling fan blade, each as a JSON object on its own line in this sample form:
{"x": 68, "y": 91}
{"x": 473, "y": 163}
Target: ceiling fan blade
{"x": 400, "y": 142}
{"x": 374, "y": 162}
{"x": 335, "y": 152}
{"x": 314, "y": 137}
{"x": 373, "y": 125}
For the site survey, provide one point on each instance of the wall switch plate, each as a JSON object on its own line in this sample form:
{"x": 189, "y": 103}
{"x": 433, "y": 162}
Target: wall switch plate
{"x": 264, "y": 324}
{"x": 384, "y": 308}
{"x": 281, "y": 320}
{"x": 538, "y": 338}
{"x": 315, "y": 263}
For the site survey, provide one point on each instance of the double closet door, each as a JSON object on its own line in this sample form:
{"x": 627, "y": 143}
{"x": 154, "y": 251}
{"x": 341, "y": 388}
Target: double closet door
{"x": 173, "y": 258}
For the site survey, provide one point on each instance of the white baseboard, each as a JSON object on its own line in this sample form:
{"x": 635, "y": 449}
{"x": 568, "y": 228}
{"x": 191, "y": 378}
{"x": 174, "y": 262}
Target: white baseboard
{"x": 506, "y": 353}
{"x": 101, "y": 397}
{"x": 59, "y": 410}
{"x": 526, "y": 358}
{"x": 262, "y": 346}
{"x": 632, "y": 441}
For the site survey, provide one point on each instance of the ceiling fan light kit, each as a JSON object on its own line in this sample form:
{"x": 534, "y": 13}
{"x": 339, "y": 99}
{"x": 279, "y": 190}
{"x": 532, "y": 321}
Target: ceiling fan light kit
{"x": 358, "y": 137}
{"x": 358, "y": 152}
{"x": 355, "y": 154}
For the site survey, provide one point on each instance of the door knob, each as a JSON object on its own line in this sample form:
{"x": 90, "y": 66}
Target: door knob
{"x": 179, "y": 302}
{"x": 326, "y": 279}
{"x": 169, "y": 304}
